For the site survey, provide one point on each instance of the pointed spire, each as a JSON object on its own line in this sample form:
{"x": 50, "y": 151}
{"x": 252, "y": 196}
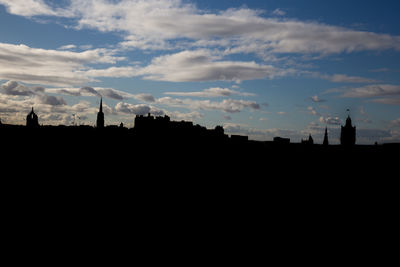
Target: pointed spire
{"x": 101, "y": 105}
{"x": 326, "y": 142}
{"x": 100, "y": 116}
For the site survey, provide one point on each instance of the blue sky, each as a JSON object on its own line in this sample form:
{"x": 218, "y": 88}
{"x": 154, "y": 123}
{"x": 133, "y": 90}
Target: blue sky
{"x": 259, "y": 68}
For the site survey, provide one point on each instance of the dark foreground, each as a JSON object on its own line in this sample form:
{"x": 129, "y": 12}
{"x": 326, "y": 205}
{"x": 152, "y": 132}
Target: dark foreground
{"x": 179, "y": 198}
{"x": 123, "y": 152}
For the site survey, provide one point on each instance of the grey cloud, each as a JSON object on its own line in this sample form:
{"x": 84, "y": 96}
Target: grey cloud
{"x": 14, "y": 88}
{"x": 132, "y": 109}
{"x": 227, "y": 105}
{"x": 90, "y": 91}
{"x": 395, "y": 123}
{"x": 387, "y": 101}
{"x": 51, "y": 100}
{"x": 211, "y": 92}
{"x": 343, "y": 78}
{"x": 375, "y": 90}
{"x": 145, "y": 97}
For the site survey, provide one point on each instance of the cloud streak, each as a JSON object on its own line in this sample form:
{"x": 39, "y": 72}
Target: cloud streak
{"x": 211, "y": 92}
{"x": 227, "y": 105}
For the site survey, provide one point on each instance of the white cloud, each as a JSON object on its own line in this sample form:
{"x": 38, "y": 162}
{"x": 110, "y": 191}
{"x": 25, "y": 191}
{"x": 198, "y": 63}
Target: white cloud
{"x": 140, "y": 109}
{"x": 211, "y": 92}
{"x": 49, "y": 67}
{"x": 157, "y": 24}
{"x": 128, "y": 108}
{"x": 202, "y": 65}
{"x": 188, "y": 116}
{"x": 316, "y": 99}
{"x": 67, "y": 47}
{"x": 30, "y": 8}
{"x": 330, "y": 120}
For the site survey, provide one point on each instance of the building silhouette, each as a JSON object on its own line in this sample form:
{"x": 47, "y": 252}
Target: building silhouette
{"x": 348, "y": 133}
{"x": 310, "y": 141}
{"x": 100, "y": 116}
{"x": 32, "y": 120}
{"x": 326, "y": 142}
{"x": 163, "y": 127}
{"x": 281, "y": 140}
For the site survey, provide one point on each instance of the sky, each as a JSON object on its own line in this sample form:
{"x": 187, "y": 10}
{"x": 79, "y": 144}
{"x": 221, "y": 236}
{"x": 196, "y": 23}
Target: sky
{"x": 261, "y": 68}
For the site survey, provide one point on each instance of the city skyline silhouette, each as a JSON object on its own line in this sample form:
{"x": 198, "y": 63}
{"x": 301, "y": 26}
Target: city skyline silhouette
{"x": 151, "y": 126}
{"x": 260, "y": 69}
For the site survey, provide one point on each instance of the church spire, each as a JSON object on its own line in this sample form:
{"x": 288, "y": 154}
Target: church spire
{"x": 326, "y": 142}
{"x": 100, "y": 116}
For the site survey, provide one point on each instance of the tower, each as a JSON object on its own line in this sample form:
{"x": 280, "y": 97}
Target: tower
{"x": 32, "y": 120}
{"x": 100, "y": 116}
{"x": 326, "y": 142}
{"x": 348, "y": 133}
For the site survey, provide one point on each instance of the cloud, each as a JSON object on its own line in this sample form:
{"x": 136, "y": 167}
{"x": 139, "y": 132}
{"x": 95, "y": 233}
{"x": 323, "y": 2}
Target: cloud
{"x": 49, "y": 67}
{"x": 330, "y": 120}
{"x": 144, "y": 97}
{"x": 153, "y": 23}
{"x": 279, "y": 12}
{"x": 188, "y": 116}
{"x": 31, "y": 8}
{"x": 156, "y": 24}
{"x": 50, "y": 100}
{"x": 227, "y": 105}
{"x": 375, "y": 90}
{"x": 342, "y": 78}
{"x": 14, "y": 88}
{"x": 316, "y": 99}
{"x": 202, "y": 65}
{"x": 114, "y": 72}
{"x": 140, "y": 109}
{"x": 312, "y": 111}
{"x": 211, "y": 92}
{"x": 387, "y": 101}
{"x": 395, "y": 123}
{"x": 67, "y": 47}
{"x": 92, "y": 91}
